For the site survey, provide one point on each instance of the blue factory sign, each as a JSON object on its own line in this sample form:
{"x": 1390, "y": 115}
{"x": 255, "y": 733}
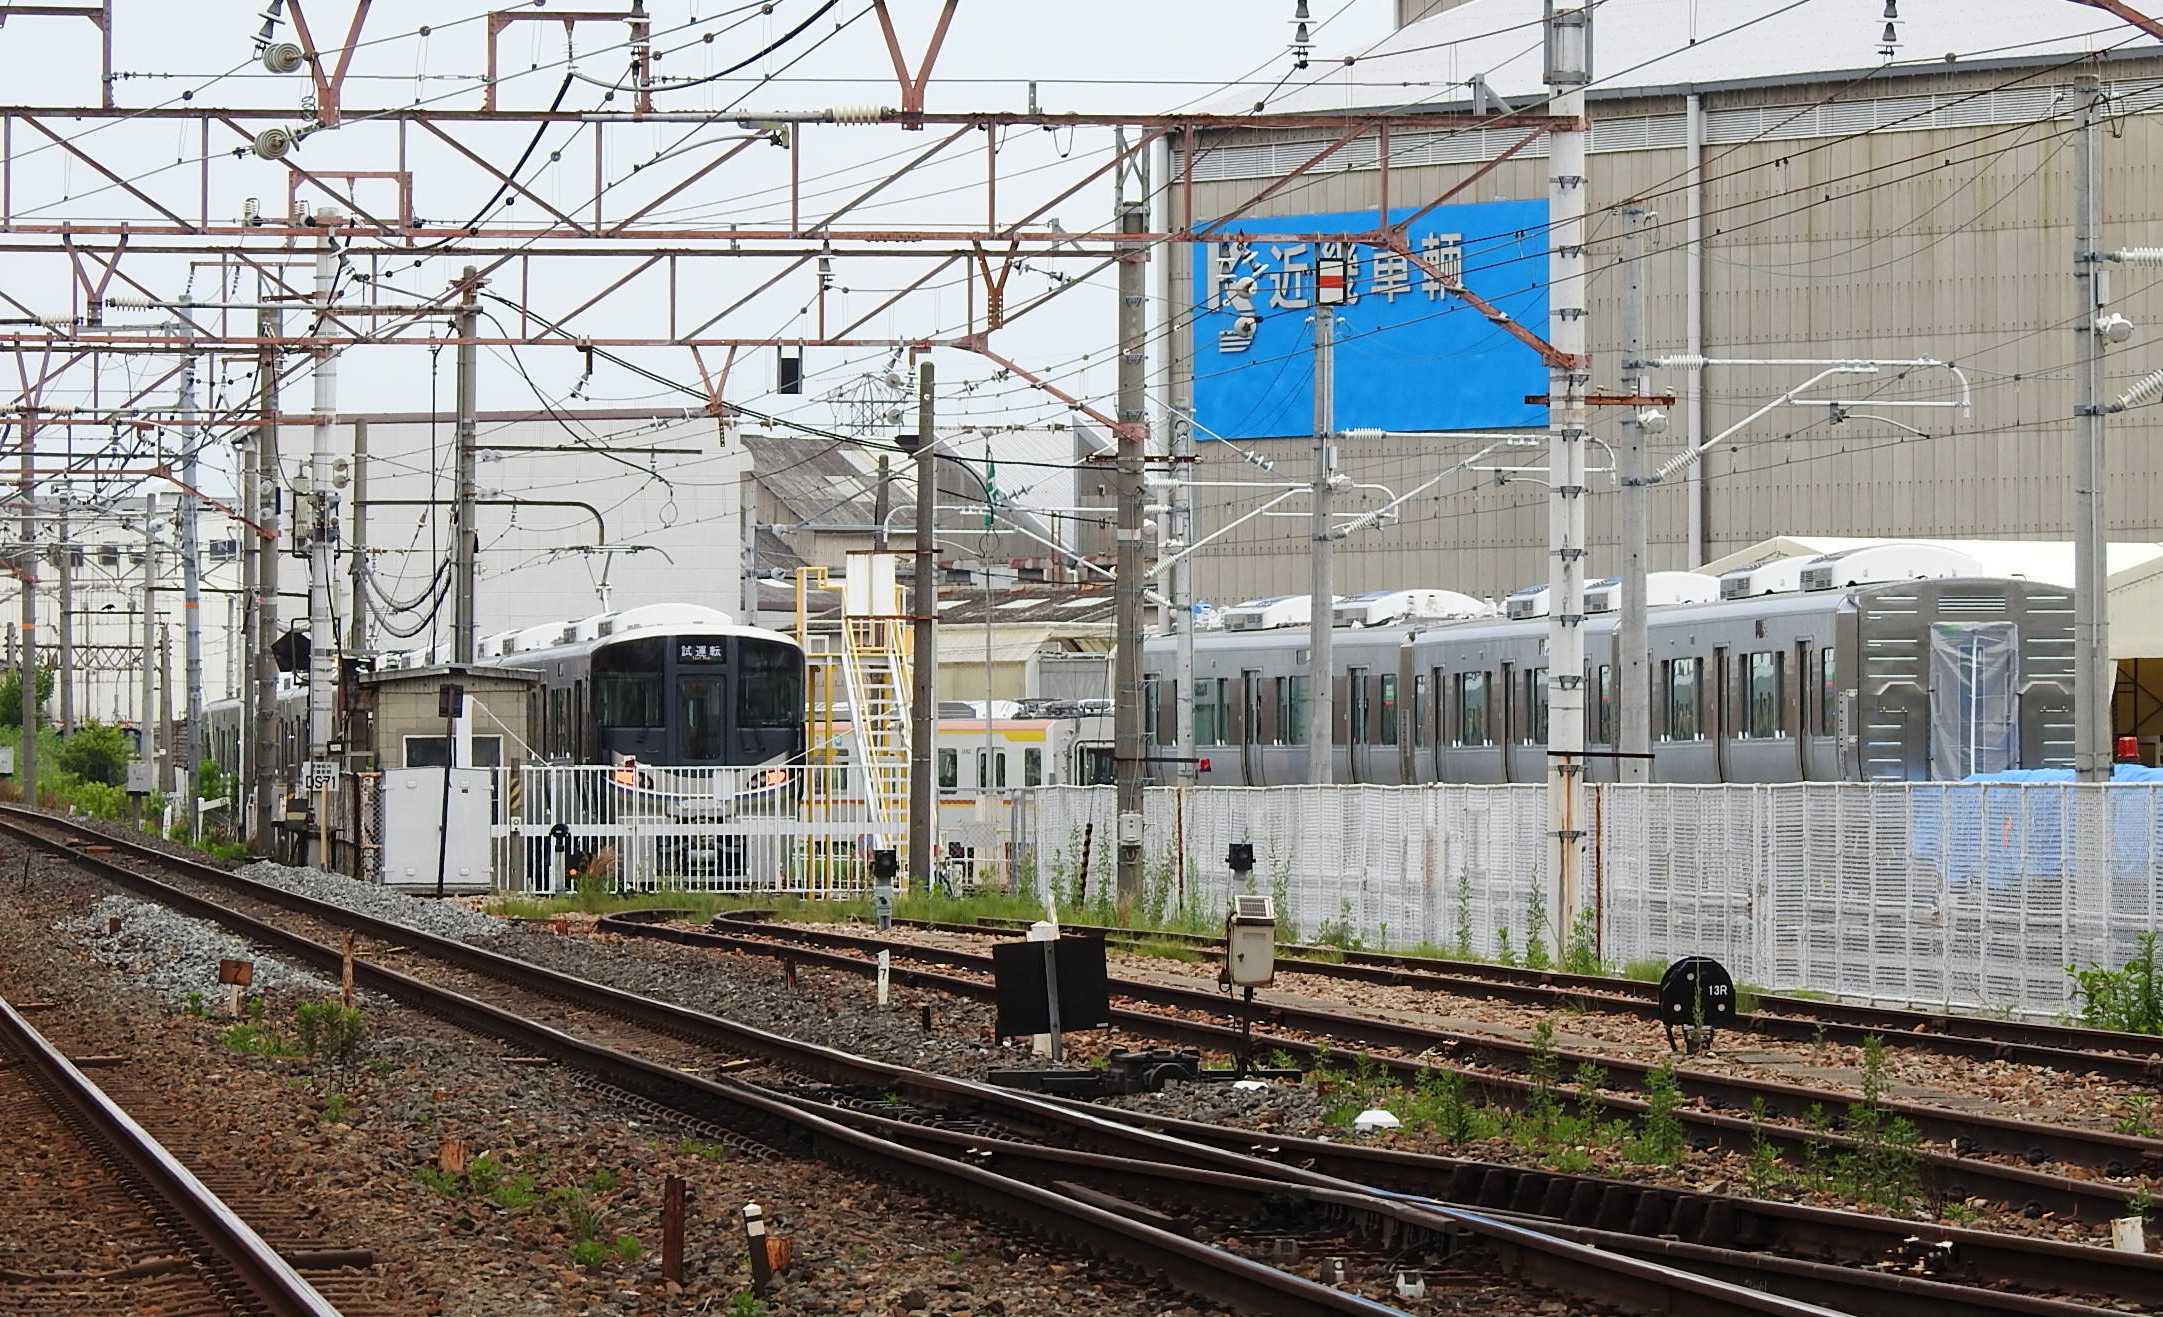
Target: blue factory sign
{"x": 1409, "y": 357}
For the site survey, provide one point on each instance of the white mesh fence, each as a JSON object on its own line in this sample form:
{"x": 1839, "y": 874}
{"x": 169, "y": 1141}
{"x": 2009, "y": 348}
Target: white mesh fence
{"x": 1968, "y": 895}
{"x": 1391, "y": 866}
{"x": 1971, "y": 894}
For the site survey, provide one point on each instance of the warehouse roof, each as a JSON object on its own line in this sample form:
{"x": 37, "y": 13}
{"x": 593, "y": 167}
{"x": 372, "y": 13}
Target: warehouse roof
{"x": 1644, "y": 45}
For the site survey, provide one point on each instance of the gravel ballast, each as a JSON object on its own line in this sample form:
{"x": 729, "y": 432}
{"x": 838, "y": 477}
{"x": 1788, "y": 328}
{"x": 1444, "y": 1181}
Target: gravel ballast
{"x": 443, "y": 918}
{"x": 173, "y": 955}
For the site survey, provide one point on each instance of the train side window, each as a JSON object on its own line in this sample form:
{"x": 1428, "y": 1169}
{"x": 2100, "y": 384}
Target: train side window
{"x": 949, "y": 770}
{"x": 1761, "y": 695}
{"x": 1151, "y": 702}
{"x": 1206, "y": 702}
{"x": 1032, "y": 767}
{"x": 1355, "y": 686}
{"x": 1828, "y": 693}
{"x": 1389, "y": 708}
{"x": 1604, "y": 712}
{"x": 1294, "y": 721}
{"x": 998, "y": 769}
{"x": 1682, "y": 694}
{"x": 1536, "y": 702}
{"x": 1472, "y": 708}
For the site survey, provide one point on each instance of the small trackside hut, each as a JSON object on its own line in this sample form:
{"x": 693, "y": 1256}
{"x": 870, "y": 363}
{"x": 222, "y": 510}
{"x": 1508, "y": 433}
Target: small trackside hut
{"x": 407, "y": 830}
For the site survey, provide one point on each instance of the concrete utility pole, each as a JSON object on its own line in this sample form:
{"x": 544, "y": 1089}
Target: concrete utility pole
{"x": 191, "y": 573}
{"x": 1127, "y": 588}
{"x": 152, "y": 734}
{"x": 26, "y": 757}
{"x": 924, "y": 639}
{"x": 360, "y": 538}
{"x": 270, "y": 325}
{"x": 1179, "y": 431}
{"x": 466, "y": 541}
{"x": 1322, "y": 618}
{"x": 165, "y": 708}
{"x": 322, "y": 523}
{"x": 1568, "y": 70}
{"x": 65, "y": 566}
{"x": 2091, "y": 571}
{"x": 1633, "y": 662}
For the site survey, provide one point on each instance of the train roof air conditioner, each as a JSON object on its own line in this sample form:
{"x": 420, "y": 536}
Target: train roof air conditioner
{"x": 1660, "y": 588}
{"x": 1528, "y": 602}
{"x": 1773, "y": 576}
{"x": 1886, "y": 562}
{"x": 1382, "y": 607}
{"x": 1269, "y": 614}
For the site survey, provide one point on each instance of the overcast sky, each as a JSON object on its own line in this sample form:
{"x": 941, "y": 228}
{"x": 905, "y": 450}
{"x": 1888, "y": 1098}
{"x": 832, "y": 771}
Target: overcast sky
{"x": 1116, "y": 54}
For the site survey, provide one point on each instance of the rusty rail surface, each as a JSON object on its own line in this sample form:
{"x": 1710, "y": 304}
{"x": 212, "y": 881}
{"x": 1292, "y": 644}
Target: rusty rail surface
{"x": 207, "y": 1228}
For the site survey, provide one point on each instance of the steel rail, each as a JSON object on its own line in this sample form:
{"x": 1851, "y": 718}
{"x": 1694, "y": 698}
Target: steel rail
{"x": 1212, "y": 1273}
{"x": 1139, "y": 1144}
{"x": 2066, "y": 1047}
{"x": 1951, "y": 1175}
{"x": 268, "y": 1278}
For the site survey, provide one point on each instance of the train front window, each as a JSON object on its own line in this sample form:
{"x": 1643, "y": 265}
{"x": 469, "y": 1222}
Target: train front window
{"x": 769, "y": 685}
{"x": 627, "y": 686}
{"x": 702, "y": 705}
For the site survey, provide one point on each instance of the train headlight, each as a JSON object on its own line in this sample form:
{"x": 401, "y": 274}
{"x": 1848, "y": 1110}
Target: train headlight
{"x": 776, "y": 776}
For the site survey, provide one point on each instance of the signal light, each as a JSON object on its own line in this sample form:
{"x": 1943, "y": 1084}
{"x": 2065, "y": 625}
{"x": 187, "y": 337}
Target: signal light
{"x": 2128, "y": 750}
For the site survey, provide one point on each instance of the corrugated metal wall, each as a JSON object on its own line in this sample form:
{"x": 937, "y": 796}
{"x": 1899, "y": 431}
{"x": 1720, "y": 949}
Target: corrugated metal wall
{"x": 1958, "y": 249}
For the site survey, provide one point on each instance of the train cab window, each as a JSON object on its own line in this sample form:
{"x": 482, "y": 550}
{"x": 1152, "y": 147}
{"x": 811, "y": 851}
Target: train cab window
{"x": 627, "y": 689}
{"x": 1682, "y": 700}
{"x": 1098, "y": 767}
{"x": 1032, "y": 767}
{"x": 1603, "y": 710}
{"x": 949, "y": 770}
{"x": 702, "y": 704}
{"x": 769, "y": 684}
{"x": 1828, "y": 693}
{"x": 1389, "y": 709}
{"x": 1472, "y": 708}
{"x": 1536, "y": 702}
{"x": 1761, "y": 695}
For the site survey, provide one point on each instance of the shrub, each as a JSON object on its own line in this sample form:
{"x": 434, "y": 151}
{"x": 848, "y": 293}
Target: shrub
{"x": 11, "y": 694}
{"x": 331, "y": 1031}
{"x": 94, "y": 752}
{"x": 2129, "y": 1000}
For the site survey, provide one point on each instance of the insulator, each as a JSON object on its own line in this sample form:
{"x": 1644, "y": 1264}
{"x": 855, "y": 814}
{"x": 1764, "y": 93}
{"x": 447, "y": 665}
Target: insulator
{"x": 2148, "y": 387}
{"x": 1682, "y": 361}
{"x": 858, "y": 113}
{"x": 2142, "y": 256}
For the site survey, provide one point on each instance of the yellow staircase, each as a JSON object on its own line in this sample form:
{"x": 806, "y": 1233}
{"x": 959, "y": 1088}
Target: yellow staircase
{"x": 858, "y": 761}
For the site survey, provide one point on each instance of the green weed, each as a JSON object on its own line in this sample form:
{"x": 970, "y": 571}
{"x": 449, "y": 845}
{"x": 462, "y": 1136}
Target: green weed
{"x": 256, "y": 1040}
{"x": 1536, "y": 929}
{"x": 591, "y": 1254}
{"x": 2128, "y": 1000}
{"x": 335, "y": 1110}
{"x": 330, "y": 1031}
{"x": 1659, "y": 1140}
{"x": 713, "y": 1152}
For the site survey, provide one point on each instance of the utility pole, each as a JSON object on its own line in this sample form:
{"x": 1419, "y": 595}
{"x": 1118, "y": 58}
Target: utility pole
{"x": 242, "y": 655}
{"x": 65, "y": 566}
{"x": 1322, "y": 607}
{"x": 1127, "y": 588}
{"x": 2091, "y": 572}
{"x": 322, "y": 524}
{"x": 466, "y": 541}
{"x": 1568, "y": 70}
{"x": 1633, "y": 664}
{"x": 26, "y": 758}
{"x": 924, "y": 639}
{"x": 165, "y": 708}
{"x": 191, "y": 575}
{"x": 269, "y": 326}
{"x": 152, "y": 734}
{"x": 882, "y": 503}
{"x": 1179, "y": 445}
{"x": 360, "y": 538}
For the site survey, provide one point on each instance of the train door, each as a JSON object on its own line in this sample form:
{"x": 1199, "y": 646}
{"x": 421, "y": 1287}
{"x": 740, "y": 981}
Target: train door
{"x": 1355, "y": 725}
{"x": 1438, "y": 681}
{"x": 1236, "y": 720}
{"x": 1412, "y": 718}
{"x": 1505, "y": 718}
{"x": 1251, "y": 726}
{"x": 1722, "y": 712}
{"x": 1794, "y": 694}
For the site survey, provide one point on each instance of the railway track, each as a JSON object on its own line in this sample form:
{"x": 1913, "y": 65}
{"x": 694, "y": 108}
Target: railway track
{"x": 1951, "y": 1175}
{"x": 921, "y": 1155}
{"x": 1137, "y": 1165}
{"x": 181, "y": 1249}
{"x": 2066, "y": 1048}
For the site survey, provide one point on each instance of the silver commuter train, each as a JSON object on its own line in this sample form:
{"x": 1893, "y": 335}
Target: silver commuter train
{"x": 1874, "y": 682}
